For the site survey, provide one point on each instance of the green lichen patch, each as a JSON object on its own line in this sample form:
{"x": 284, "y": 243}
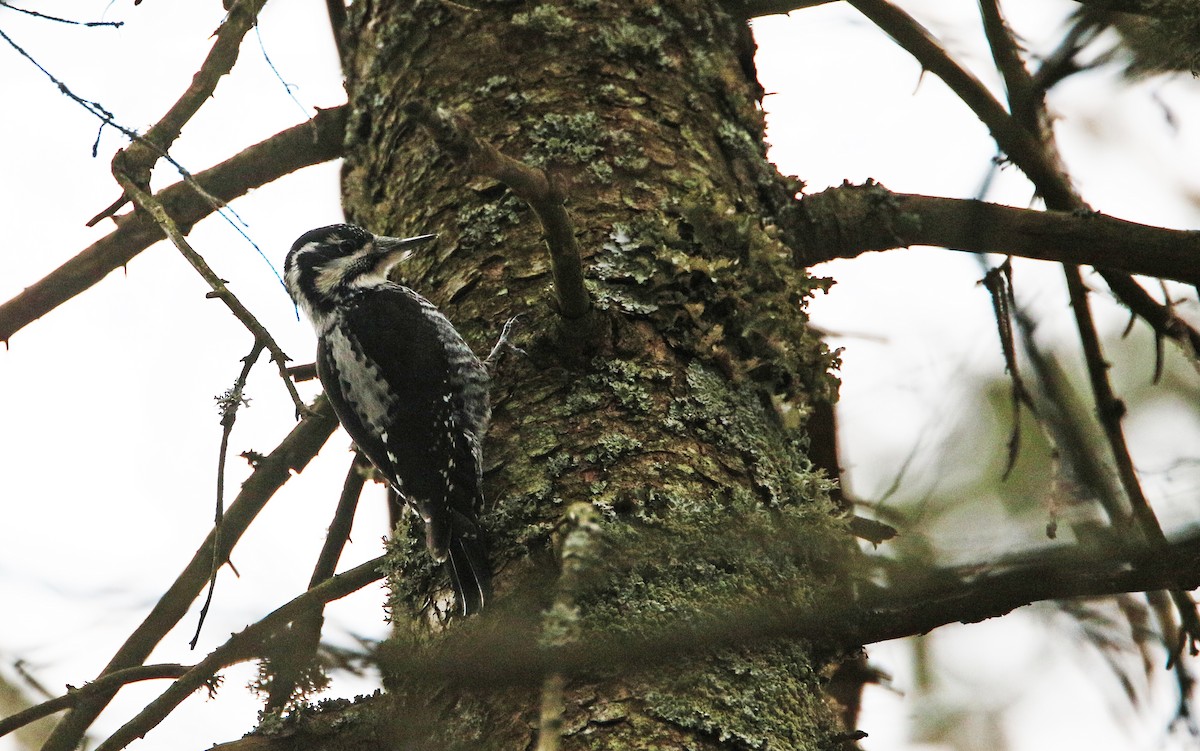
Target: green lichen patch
{"x": 545, "y": 19}
{"x": 689, "y": 267}
{"x": 486, "y": 225}
{"x": 766, "y": 699}
{"x": 579, "y": 139}
{"x": 629, "y": 41}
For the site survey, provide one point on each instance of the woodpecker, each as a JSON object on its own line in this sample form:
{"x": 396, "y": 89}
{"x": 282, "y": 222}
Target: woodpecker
{"x": 404, "y": 385}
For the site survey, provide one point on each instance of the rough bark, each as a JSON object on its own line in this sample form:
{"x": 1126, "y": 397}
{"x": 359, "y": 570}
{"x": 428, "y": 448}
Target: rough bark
{"x": 677, "y": 407}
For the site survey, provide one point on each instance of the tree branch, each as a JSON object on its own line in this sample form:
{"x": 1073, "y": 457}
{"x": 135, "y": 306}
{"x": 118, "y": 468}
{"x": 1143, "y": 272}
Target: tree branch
{"x": 151, "y": 205}
{"x": 1037, "y": 159}
{"x": 244, "y": 645}
{"x": 849, "y": 220}
{"x": 534, "y": 186}
{"x": 1021, "y": 146}
{"x": 105, "y": 684}
{"x": 1036, "y": 153}
{"x": 304, "y": 145}
{"x": 270, "y": 473}
{"x": 509, "y": 653}
{"x": 138, "y": 159}
{"x": 291, "y": 654}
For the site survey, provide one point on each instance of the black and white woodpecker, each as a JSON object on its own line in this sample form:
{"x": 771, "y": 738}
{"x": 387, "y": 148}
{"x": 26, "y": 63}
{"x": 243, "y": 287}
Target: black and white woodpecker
{"x": 404, "y": 385}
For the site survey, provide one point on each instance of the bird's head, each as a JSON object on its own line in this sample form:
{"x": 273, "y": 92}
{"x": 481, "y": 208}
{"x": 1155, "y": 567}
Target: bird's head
{"x": 326, "y": 265}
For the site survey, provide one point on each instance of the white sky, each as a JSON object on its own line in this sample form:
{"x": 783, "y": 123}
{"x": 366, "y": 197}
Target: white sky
{"x": 110, "y": 440}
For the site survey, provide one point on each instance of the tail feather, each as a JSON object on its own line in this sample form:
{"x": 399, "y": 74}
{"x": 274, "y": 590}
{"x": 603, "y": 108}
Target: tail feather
{"x": 470, "y": 574}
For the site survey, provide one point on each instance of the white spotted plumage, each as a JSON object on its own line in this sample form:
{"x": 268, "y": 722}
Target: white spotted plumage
{"x": 405, "y": 386}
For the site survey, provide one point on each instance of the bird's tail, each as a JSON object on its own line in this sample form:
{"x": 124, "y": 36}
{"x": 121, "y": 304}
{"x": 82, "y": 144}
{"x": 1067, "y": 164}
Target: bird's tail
{"x": 470, "y": 573}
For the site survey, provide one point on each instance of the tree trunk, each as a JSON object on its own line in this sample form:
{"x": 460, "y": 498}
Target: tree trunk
{"x": 676, "y": 407}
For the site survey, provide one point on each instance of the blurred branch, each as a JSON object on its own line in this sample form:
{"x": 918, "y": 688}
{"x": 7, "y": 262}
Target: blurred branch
{"x": 545, "y": 195}
{"x": 579, "y": 535}
{"x": 244, "y": 645}
{"x": 313, "y": 142}
{"x": 508, "y": 654}
{"x": 506, "y": 651}
{"x": 270, "y": 473}
{"x": 104, "y": 684}
{"x": 1110, "y": 410}
{"x": 849, "y": 220}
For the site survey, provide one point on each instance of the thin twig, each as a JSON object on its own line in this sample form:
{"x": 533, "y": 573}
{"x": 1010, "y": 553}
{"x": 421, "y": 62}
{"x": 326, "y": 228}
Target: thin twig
{"x": 270, "y": 473}
{"x": 1110, "y": 410}
{"x": 230, "y": 402}
{"x": 107, "y": 118}
{"x": 316, "y": 141}
{"x": 244, "y": 645}
{"x": 540, "y": 190}
{"x": 75, "y": 695}
{"x": 154, "y": 207}
{"x": 998, "y": 282}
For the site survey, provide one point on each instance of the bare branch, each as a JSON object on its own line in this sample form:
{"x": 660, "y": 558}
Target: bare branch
{"x": 1110, "y": 410}
{"x": 155, "y": 208}
{"x": 1035, "y": 157}
{"x": 138, "y": 159}
{"x": 316, "y": 141}
{"x": 74, "y": 695}
{"x": 242, "y": 646}
{"x": 1024, "y": 98}
{"x": 270, "y": 473}
{"x": 1021, "y": 146}
{"x": 849, "y": 220}
{"x": 536, "y": 187}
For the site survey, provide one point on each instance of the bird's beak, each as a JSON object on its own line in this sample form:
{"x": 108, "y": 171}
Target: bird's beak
{"x": 393, "y": 250}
